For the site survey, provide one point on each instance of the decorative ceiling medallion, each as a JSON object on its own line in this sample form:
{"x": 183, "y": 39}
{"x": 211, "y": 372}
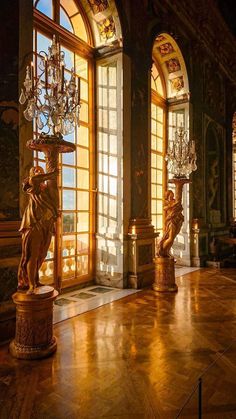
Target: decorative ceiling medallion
{"x": 177, "y": 84}
{"x": 107, "y": 28}
{"x": 160, "y": 38}
{"x": 98, "y": 6}
{"x": 166, "y": 48}
{"x": 173, "y": 65}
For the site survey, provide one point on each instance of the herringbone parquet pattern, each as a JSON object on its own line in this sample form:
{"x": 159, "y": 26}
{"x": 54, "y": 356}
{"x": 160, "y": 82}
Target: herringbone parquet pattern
{"x": 136, "y": 358}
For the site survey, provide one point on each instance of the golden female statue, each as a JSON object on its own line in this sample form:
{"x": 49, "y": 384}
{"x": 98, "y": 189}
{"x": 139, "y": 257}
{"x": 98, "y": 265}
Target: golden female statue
{"x": 37, "y": 225}
{"x": 173, "y": 222}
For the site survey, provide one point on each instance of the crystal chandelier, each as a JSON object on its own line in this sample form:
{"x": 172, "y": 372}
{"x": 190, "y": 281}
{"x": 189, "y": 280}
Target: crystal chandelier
{"x": 52, "y": 101}
{"x": 181, "y": 155}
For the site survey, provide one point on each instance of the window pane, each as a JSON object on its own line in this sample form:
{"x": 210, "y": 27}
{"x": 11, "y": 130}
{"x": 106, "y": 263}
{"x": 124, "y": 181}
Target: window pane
{"x": 154, "y": 143}
{"x": 79, "y": 27}
{"x": 113, "y": 144}
{"x": 68, "y": 200}
{"x": 154, "y": 191}
{"x": 159, "y": 114}
{"x": 159, "y": 162}
{"x": 112, "y": 76}
{"x": 159, "y": 176}
{"x": 68, "y": 158}
{"x": 83, "y": 179}
{"x": 112, "y": 119}
{"x": 84, "y": 112}
{"x": 68, "y": 177}
{"x": 102, "y": 118}
{"x": 102, "y": 96}
{"x": 65, "y": 21}
{"x": 70, "y": 7}
{"x": 82, "y": 265}
{"x": 103, "y": 141}
{"x": 102, "y": 75}
{"x": 159, "y": 207}
{"x": 112, "y": 98}
{"x": 69, "y": 58}
{"x": 83, "y": 136}
{"x": 154, "y": 175}
{"x": 69, "y": 137}
{"x": 68, "y": 222}
{"x": 154, "y": 127}
{"x": 159, "y": 145}
{"x": 153, "y": 208}
{"x": 113, "y": 166}
{"x": 113, "y": 206}
{"x": 45, "y": 7}
{"x": 153, "y": 160}
{"x": 159, "y": 221}
{"x": 83, "y": 221}
{"x": 68, "y": 268}
{"x": 84, "y": 90}
{"x": 82, "y": 157}
{"x": 82, "y": 243}
{"x": 103, "y": 183}
{"x": 43, "y": 42}
{"x": 83, "y": 200}
{"x": 68, "y": 245}
{"x": 159, "y": 129}
{"x": 81, "y": 66}
{"x": 103, "y": 204}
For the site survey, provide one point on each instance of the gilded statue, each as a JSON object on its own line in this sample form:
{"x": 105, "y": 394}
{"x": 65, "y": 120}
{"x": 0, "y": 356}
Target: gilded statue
{"x": 173, "y": 222}
{"x": 37, "y": 225}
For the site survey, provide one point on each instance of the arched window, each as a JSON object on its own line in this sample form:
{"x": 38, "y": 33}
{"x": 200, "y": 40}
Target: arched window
{"x": 72, "y": 254}
{"x": 158, "y": 147}
{"x": 169, "y": 110}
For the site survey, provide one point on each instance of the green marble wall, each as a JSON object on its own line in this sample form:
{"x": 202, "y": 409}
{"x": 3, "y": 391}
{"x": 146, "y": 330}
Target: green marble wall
{"x": 9, "y": 144}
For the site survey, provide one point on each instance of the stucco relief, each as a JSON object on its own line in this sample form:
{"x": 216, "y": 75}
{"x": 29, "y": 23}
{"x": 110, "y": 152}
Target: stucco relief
{"x": 214, "y": 172}
{"x": 214, "y": 89}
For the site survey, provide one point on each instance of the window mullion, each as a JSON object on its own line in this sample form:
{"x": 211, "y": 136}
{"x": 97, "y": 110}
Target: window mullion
{"x": 56, "y": 11}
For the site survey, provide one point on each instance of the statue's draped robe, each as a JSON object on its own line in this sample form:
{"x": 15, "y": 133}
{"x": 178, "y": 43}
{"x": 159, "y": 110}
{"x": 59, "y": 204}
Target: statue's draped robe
{"x": 37, "y": 228}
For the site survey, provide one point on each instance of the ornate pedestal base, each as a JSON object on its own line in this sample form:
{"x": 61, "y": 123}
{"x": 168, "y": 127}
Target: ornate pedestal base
{"x": 34, "y": 326}
{"x": 164, "y": 275}
{"x": 141, "y": 253}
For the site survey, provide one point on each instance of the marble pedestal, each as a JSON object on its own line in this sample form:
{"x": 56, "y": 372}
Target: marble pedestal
{"x": 141, "y": 253}
{"x": 34, "y": 324}
{"x": 164, "y": 275}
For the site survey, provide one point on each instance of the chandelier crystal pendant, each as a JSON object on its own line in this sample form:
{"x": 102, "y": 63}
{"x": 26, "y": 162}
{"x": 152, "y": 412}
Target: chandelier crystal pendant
{"x": 181, "y": 155}
{"x": 51, "y": 100}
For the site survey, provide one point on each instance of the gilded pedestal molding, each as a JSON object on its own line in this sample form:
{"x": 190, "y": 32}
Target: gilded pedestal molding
{"x": 141, "y": 253}
{"x": 34, "y": 324}
{"x": 164, "y": 275}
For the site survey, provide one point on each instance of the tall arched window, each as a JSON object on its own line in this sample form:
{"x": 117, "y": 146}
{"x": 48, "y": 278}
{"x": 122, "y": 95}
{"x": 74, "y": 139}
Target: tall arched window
{"x": 158, "y": 147}
{"x": 80, "y": 27}
{"x": 70, "y": 253}
{"x": 169, "y": 110}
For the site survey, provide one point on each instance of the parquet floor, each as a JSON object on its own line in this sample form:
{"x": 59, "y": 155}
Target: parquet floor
{"x": 135, "y": 358}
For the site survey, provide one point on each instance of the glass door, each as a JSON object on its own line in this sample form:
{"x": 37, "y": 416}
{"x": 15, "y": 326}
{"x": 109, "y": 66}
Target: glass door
{"x": 70, "y": 256}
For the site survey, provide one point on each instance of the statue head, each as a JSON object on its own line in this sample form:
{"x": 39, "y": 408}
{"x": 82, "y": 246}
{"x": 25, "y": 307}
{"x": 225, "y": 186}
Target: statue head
{"x": 36, "y": 170}
{"x": 169, "y": 195}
